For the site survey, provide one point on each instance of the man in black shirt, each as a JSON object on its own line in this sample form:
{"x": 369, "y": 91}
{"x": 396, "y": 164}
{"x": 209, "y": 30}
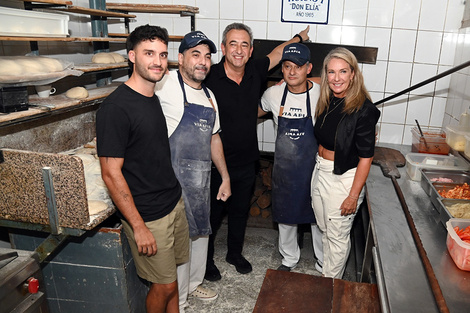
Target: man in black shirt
{"x": 134, "y": 151}
{"x": 238, "y": 84}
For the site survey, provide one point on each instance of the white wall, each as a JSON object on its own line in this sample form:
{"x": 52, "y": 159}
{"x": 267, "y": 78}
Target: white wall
{"x": 417, "y": 39}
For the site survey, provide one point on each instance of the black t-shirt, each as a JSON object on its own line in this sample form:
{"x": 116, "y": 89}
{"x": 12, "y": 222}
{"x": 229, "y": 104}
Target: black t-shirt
{"x": 132, "y": 126}
{"x": 238, "y": 109}
{"x": 327, "y": 123}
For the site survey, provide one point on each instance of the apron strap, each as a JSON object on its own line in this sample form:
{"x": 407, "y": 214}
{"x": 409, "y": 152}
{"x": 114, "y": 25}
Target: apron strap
{"x": 186, "y": 103}
{"x": 283, "y": 101}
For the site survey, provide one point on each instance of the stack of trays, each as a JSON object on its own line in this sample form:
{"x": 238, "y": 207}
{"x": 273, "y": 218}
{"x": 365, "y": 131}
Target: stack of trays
{"x": 433, "y": 180}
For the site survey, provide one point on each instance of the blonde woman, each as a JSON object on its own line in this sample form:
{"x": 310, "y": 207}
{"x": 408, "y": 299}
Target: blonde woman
{"x": 345, "y": 131}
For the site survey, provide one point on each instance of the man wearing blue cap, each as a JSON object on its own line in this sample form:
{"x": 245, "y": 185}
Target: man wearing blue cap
{"x": 292, "y": 104}
{"x": 190, "y": 111}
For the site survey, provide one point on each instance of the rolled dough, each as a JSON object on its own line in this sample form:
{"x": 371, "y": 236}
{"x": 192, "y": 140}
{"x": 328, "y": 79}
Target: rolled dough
{"x": 24, "y": 65}
{"x": 107, "y": 58}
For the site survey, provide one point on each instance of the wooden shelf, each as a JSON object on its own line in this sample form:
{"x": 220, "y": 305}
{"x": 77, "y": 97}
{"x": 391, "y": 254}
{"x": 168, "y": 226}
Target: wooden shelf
{"x": 153, "y": 8}
{"x": 123, "y": 35}
{"x": 66, "y": 39}
{"x": 94, "y": 12}
{"x": 60, "y": 2}
{"x": 41, "y": 107}
{"x": 96, "y": 67}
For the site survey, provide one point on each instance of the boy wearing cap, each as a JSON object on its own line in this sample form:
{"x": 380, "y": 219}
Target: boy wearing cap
{"x": 292, "y": 104}
{"x": 190, "y": 110}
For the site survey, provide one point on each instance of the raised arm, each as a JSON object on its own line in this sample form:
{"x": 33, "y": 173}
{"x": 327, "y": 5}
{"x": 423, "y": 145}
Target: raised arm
{"x": 276, "y": 55}
{"x": 122, "y": 197}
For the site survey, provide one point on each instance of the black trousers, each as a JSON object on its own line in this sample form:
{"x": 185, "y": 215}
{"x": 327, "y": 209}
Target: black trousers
{"x": 242, "y": 180}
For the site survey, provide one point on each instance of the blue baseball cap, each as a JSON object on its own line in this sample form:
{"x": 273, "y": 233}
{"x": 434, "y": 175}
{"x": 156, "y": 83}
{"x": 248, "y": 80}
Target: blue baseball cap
{"x": 297, "y": 53}
{"x": 194, "y": 39}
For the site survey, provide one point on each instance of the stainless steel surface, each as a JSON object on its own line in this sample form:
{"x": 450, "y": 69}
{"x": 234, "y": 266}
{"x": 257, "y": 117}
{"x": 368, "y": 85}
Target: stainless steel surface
{"x": 404, "y": 277}
{"x": 443, "y": 208}
{"x": 427, "y": 176}
{"x": 380, "y": 281}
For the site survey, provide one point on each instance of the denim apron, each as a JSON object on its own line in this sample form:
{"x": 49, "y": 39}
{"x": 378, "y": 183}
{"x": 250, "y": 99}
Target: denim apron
{"x": 190, "y": 146}
{"x": 294, "y": 161}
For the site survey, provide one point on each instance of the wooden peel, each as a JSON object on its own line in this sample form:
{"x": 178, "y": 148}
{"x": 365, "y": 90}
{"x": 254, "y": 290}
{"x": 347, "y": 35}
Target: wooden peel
{"x": 389, "y": 159}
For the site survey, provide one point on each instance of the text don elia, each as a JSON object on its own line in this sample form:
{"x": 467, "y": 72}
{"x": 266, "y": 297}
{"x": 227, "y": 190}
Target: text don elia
{"x": 314, "y": 5}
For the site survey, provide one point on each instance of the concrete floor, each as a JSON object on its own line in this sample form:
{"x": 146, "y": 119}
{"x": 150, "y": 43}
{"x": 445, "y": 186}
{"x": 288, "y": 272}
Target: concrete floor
{"x": 237, "y": 292}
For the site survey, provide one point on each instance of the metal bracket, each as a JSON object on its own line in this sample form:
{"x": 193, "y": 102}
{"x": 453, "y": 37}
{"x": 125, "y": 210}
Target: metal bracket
{"x": 51, "y": 202}
{"x": 48, "y": 246}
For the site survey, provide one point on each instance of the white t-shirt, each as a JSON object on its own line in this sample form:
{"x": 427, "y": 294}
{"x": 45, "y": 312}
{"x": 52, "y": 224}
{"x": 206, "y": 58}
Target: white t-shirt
{"x": 295, "y": 106}
{"x": 171, "y": 98}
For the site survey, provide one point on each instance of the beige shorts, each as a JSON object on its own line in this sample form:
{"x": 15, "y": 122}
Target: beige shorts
{"x": 172, "y": 236}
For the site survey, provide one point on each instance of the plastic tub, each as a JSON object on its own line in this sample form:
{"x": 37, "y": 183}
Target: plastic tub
{"x": 16, "y": 22}
{"x": 455, "y": 137}
{"x": 417, "y": 161}
{"x": 458, "y": 249}
{"x": 433, "y": 141}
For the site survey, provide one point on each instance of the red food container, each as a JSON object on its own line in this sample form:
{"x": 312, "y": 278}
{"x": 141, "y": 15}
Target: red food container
{"x": 432, "y": 141}
{"x": 458, "y": 249}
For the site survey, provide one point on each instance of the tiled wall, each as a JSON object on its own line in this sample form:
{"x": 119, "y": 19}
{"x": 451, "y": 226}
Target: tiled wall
{"x": 458, "y": 100}
{"x": 417, "y": 39}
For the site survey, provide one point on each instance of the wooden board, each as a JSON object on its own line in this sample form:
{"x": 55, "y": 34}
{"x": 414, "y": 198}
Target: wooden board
{"x": 62, "y": 2}
{"x": 94, "y": 12}
{"x": 94, "y": 67}
{"x": 151, "y": 8}
{"x": 389, "y": 159}
{"x": 287, "y": 292}
{"x": 63, "y": 39}
{"x": 47, "y": 106}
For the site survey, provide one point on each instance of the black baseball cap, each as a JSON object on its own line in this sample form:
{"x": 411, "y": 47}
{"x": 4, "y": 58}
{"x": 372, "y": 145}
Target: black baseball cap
{"x": 195, "y": 38}
{"x": 297, "y": 53}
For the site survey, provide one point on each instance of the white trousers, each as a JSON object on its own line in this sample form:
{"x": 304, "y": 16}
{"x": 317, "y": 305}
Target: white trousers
{"x": 191, "y": 274}
{"x": 328, "y": 193}
{"x": 289, "y": 246}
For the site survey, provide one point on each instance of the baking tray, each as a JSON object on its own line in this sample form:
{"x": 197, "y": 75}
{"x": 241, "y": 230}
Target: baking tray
{"x": 17, "y": 22}
{"x": 458, "y": 177}
{"x": 435, "y": 195}
{"x": 444, "y": 213}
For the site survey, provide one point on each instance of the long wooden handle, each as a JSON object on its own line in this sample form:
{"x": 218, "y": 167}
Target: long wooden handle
{"x": 436, "y": 289}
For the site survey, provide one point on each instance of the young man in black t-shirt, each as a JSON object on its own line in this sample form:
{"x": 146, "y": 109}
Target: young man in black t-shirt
{"x": 133, "y": 147}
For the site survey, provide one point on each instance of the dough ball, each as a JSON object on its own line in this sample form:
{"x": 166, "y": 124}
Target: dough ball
{"x": 103, "y": 57}
{"x": 117, "y": 57}
{"x": 10, "y": 68}
{"x": 76, "y": 93}
{"x": 96, "y": 206}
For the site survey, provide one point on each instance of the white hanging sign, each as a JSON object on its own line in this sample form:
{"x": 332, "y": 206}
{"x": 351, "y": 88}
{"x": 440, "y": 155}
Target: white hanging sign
{"x": 305, "y": 11}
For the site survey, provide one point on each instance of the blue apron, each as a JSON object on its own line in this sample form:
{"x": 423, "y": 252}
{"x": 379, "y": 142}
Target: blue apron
{"x": 294, "y": 161}
{"x": 190, "y": 146}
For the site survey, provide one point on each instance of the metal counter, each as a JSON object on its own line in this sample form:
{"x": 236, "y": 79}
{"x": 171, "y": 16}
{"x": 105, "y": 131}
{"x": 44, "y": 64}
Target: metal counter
{"x": 404, "y": 278}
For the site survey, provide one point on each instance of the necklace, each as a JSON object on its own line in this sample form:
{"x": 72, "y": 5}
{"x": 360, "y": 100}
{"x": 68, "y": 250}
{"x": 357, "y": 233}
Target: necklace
{"x": 335, "y": 105}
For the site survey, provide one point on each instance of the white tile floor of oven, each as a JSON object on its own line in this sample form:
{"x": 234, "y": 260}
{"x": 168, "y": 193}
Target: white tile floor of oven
{"x": 238, "y": 292}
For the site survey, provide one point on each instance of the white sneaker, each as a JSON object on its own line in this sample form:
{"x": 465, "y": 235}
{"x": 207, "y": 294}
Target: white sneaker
{"x": 204, "y": 294}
